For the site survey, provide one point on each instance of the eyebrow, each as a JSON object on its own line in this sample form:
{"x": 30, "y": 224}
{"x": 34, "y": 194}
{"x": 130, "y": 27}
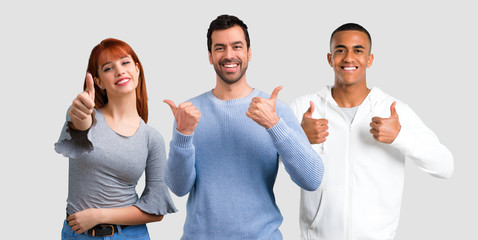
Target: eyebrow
{"x": 356, "y": 46}
{"x": 233, "y": 43}
{"x": 102, "y": 66}
{"x": 219, "y": 45}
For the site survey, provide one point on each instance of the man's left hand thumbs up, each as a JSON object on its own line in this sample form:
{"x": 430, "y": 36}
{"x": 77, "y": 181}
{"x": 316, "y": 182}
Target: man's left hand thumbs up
{"x": 263, "y": 111}
{"x": 386, "y": 129}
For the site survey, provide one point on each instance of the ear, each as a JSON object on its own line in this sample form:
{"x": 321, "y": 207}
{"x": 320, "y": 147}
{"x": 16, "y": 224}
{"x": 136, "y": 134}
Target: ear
{"x": 249, "y": 54}
{"x": 137, "y": 67}
{"x": 210, "y": 57}
{"x": 370, "y": 60}
{"x": 98, "y": 82}
{"x": 329, "y": 59}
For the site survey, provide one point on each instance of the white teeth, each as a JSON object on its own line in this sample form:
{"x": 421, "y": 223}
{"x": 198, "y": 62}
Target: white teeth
{"x": 230, "y": 65}
{"x": 122, "y": 81}
{"x": 349, "y": 68}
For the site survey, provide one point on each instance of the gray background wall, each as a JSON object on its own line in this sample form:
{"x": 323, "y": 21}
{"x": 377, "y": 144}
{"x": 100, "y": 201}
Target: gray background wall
{"x": 425, "y": 54}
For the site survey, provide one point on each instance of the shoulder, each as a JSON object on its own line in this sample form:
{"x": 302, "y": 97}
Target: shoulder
{"x": 282, "y": 106}
{"x": 306, "y": 97}
{"x": 318, "y": 96}
{"x": 200, "y": 98}
{"x": 304, "y": 100}
{"x": 154, "y": 137}
{"x": 301, "y": 104}
{"x": 284, "y": 111}
{"x": 383, "y": 101}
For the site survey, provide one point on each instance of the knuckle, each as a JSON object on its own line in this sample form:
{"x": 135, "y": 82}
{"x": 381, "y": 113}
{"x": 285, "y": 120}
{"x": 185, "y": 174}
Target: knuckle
{"x": 183, "y": 105}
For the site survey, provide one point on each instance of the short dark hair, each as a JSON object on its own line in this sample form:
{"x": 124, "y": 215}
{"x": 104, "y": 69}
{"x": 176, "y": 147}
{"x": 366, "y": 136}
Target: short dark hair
{"x": 352, "y": 27}
{"x": 225, "y": 22}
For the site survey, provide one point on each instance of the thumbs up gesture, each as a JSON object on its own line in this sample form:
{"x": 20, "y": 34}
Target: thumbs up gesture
{"x": 263, "y": 111}
{"x": 386, "y": 129}
{"x": 82, "y": 106}
{"x": 187, "y": 116}
{"x": 315, "y": 129}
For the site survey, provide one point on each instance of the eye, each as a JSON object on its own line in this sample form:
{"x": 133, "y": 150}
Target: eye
{"x": 339, "y": 51}
{"x": 358, "y": 50}
{"x": 237, "y": 47}
{"x": 106, "y": 69}
{"x": 219, "y": 48}
{"x": 126, "y": 62}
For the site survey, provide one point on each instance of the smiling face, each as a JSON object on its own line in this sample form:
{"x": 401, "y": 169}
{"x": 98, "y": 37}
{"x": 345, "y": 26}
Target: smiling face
{"x": 118, "y": 75}
{"x": 229, "y": 54}
{"x": 350, "y": 57}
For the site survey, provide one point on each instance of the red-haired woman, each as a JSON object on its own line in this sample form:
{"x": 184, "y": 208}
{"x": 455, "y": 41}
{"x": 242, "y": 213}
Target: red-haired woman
{"x": 109, "y": 146}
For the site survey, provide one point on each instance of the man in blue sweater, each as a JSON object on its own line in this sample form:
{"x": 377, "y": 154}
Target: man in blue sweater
{"x": 226, "y": 145}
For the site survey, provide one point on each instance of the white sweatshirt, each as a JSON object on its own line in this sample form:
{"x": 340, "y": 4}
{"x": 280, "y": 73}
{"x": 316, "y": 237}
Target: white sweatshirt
{"x": 361, "y": 191}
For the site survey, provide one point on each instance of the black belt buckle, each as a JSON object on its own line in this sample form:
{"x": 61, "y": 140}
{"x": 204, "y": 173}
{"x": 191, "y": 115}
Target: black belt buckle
{"x": 103, "y": 230}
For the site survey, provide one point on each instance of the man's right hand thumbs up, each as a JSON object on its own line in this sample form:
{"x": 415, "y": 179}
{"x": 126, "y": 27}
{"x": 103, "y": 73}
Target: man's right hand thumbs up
{"x": 315, "y": 129}
{"x": 82, "y": 106}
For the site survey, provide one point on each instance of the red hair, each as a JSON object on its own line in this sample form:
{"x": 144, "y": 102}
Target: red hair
{"x": 114, "y": 48}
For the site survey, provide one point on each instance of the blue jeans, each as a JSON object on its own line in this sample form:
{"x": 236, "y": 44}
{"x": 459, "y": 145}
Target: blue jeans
{"x": 138, "y": 232}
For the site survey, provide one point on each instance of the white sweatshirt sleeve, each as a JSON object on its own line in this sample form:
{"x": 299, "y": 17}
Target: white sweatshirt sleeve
{"x": 419, "y": 144}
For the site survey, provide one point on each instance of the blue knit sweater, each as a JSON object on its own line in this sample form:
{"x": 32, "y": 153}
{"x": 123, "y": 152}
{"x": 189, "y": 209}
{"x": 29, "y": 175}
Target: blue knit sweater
{"x": 229, "y": 166}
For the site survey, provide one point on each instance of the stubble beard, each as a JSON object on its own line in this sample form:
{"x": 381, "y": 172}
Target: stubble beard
{"x": 224, "y": 77}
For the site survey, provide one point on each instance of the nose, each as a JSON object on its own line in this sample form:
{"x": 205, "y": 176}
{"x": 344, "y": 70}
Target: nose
{"x": 349, "y": 56}
{"x": 229, "y": 53}
{"x": 120, "y": 70}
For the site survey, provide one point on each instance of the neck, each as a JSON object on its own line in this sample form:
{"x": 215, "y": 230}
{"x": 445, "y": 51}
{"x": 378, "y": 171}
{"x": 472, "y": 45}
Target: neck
{"x": 121, "y": 108}
{"x": 225, "y": 91}
{"x": 348, "y": 96}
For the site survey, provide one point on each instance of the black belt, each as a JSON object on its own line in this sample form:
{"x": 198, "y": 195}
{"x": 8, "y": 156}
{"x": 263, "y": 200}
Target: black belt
{"x": 104, "y": 230}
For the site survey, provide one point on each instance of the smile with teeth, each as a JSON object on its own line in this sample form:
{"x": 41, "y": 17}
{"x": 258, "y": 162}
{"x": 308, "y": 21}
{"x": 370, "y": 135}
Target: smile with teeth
{"x": 122, "y": 81}
{"x": 349, "y": 68}
{"x": 231, "y": 65}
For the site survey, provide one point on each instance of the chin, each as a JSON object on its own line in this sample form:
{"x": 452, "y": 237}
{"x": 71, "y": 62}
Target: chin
{"x": 230, "y": 81}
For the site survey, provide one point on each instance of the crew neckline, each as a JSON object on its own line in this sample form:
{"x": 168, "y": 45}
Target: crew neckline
{"x": 247, "y": 99}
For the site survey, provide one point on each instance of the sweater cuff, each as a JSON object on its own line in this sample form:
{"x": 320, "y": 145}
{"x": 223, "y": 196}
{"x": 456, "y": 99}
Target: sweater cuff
{"x": 279, "y": 131}
{"x": 181, "y": 140}
{"x": 405, "y": 142}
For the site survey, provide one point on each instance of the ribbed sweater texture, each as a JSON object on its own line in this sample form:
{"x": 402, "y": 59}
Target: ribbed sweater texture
{"x": 229, "y": 166}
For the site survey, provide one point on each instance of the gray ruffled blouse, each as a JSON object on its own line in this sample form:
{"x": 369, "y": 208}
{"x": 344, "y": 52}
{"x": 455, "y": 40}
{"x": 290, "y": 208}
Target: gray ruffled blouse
{"x": 104, "y": 168}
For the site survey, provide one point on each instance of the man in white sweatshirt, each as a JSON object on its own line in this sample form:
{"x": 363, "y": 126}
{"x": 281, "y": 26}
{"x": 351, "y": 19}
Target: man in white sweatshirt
{"x": 364, "y": 137}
